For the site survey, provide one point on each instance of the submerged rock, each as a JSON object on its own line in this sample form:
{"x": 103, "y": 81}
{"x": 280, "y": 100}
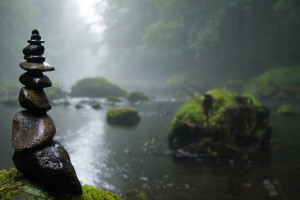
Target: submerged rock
{"x": 49, "y": 165}
{"x": 14, "y": 185}
{"x": 30, "y": 130}
{"x": 123, "y": 116}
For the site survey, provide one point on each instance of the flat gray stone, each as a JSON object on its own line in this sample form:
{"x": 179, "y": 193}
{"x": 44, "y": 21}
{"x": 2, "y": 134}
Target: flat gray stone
{"x": 34, "y": 100}
{"x": 51, "y": 166}
{"x": 31, "y": 66}
{"x": 30, "y": 130}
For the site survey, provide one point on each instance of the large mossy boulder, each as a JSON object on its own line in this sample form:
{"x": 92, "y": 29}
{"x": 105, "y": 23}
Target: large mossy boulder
{"x": 13, "y": 185}
{"x": 127, "y": 116}
{"x": 235, "y": 124}
{"x": 137, "y": 96}
{"x": 96, "y": 87}
{"x": 288, "y": 109}
{"x": 55, "y": 92}
{"x": 275, "y": 82}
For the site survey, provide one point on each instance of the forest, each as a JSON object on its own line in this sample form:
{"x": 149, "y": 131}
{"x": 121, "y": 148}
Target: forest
{"x": 156, "y": 99}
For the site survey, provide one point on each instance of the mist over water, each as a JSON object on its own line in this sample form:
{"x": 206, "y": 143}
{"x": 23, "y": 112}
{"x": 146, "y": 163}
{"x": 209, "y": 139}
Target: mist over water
{"x": 169, "y": 50}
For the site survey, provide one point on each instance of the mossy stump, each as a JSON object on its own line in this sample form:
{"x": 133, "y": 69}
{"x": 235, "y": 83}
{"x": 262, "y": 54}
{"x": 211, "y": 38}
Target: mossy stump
{"x": 127, "y": 116}
{"x": 236, "y": 125}
{"x": 13, "y": 185}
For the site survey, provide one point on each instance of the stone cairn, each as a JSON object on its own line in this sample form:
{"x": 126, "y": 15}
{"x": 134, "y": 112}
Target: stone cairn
{"x": 37, "y": 155}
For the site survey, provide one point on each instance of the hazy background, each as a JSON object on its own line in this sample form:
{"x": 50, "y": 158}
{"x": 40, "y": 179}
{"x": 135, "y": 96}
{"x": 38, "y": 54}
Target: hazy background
{"x": 153, "y": 43}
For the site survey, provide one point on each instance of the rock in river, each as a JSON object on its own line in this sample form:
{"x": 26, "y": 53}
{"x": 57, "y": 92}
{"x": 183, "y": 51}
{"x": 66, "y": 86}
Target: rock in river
{"x": 30, "y": 130}
{"x": 50, "y": 166}
{"x": 35, "y": 100}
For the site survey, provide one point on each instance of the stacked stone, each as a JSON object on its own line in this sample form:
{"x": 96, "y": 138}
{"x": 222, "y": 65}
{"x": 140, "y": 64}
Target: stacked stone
{"x": 37, "y": 155}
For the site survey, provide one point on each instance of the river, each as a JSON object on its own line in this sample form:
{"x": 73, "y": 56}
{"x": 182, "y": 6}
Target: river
{"x": 116, "y": 159}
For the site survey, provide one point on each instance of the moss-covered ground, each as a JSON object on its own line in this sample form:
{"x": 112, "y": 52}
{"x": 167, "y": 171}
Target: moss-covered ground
{"x": 13, "y": 185}
{"x": 234, "y": 122}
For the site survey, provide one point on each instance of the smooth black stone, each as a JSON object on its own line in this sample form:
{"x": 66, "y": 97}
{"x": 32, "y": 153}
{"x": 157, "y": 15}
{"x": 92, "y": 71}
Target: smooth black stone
{"x": 34, "y": 49}
{"x": 35, "y": 80}
{"x": 35, "y": 58}
{"x": 50, "y": 166}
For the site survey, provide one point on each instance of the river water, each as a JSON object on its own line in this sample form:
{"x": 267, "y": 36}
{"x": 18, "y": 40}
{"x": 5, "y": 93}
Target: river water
{"x": 116, "y": 158}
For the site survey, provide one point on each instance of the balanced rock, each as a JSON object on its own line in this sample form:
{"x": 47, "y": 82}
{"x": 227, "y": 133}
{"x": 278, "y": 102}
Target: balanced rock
{"x": 30, "y": 130}
{"x": 33, "y": 52}
{"x": 35, "y": 100}
{"x": 32, "y": 66}
{"x": 35, "y": 80}
{"x": 50, "y": 166}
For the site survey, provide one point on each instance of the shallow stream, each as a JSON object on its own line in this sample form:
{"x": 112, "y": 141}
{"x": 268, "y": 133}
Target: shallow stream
{"x": 120, "y": 159}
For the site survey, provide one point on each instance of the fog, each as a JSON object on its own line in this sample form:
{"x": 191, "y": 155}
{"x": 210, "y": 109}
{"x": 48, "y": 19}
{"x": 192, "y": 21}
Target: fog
{"x": 168, "y": 50}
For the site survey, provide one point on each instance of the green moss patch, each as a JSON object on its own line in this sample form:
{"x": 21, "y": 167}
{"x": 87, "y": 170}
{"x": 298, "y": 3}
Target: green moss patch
{"x": 97, "y": 87}
{"x": 13, "y": 185}
{"x": 288, "y": 109}
{"x": 137, "y": 96}
{"x": 135, "y": 195}
{"x": 233, "y": 123}
{"x": 123, "y": 116}
{"x": 274, "y": 82}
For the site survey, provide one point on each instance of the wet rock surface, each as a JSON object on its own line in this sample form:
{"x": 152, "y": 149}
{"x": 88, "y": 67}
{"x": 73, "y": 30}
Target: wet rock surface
{"x": 35, "y": 100}
{"x": 35, "y": 80}
{"x": 49, "y": 165}
{"x": 30, "y": 130}
{"x": 32, "y": 66}
{"x": 37, "y": 155}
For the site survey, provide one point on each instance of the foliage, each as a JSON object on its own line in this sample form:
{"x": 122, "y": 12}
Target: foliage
{"x": 267, "y": 84}
{"x": 127, "y": 116}
{"x": 235, "y": 122}
{"x": 96, "y": 87}
{"x": 137, "y": 96}
{"x": 13, "y": 185}
{"x": 230, "y": 39}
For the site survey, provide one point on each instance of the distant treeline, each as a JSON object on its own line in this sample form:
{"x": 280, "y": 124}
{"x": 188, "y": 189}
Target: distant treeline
{"x": 195, "y": 39}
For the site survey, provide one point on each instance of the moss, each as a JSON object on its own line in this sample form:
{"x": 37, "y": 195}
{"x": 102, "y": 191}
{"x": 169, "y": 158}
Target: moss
{"x": 288, "y": 109}
{"x": 96, "y": 106}
{"x": 55, "y": 92}
{"x": 135, "y": 195}
{"x": 234, "y": 121}
{"x": 269, "y": 83}
{"x": 13, "y": 185}
{"x": 137, "y": 96}
{"x": 96, "y": 87}
{"x": 127, "y": 116}
{"x": 113, "y": 99}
